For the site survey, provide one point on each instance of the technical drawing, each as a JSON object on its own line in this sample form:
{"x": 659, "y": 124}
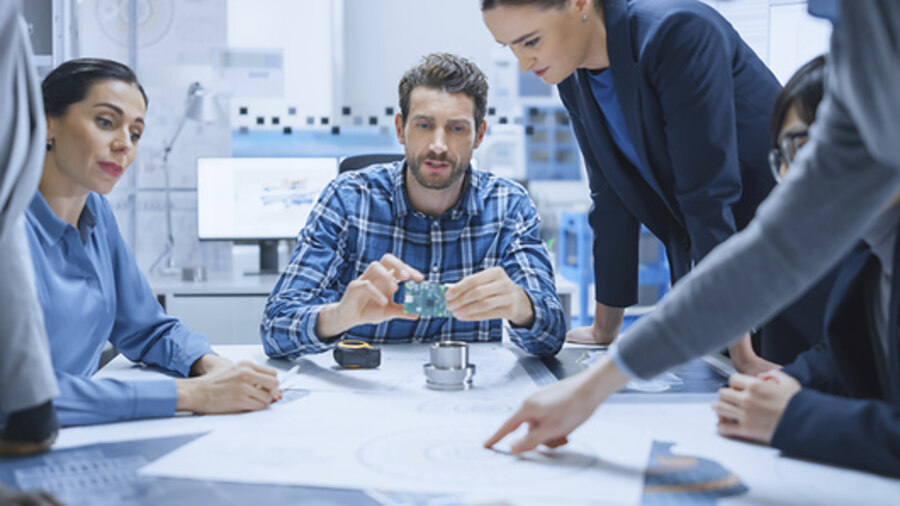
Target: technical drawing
{"x": 154, "y": 20}
{"x": 454, "y": 455}
{"x": 465, "y": 406}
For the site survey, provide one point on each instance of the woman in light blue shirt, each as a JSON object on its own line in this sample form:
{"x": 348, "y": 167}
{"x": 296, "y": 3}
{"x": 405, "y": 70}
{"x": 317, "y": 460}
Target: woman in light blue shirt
{"x": 87, "y": 281}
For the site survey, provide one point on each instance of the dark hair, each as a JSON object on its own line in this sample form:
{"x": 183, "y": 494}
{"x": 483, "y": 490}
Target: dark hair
{"x": 487, "y": 5}
{"x": 69, "y": 83}
{"x": 804, "y": 91}
{"x": 450, "y": 73}
{"x": 543, "y": 4}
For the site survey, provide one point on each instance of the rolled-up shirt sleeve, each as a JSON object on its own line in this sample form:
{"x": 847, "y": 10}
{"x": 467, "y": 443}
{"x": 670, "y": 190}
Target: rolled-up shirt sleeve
{"x": 310, "y": 281}
{"x": 527, "y": 263}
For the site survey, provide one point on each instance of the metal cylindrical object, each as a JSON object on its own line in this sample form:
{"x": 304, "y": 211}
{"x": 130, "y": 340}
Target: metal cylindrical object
{"x": 449, "y": 368}
{"x": 193, "y": 274}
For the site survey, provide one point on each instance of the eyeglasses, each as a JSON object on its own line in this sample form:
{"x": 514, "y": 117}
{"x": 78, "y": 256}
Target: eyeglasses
{"x": 784, "y": 154}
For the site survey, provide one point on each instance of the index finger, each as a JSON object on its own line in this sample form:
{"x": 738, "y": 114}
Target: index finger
{"x": 510, "y": 425}
{"x": 402, "y": 270}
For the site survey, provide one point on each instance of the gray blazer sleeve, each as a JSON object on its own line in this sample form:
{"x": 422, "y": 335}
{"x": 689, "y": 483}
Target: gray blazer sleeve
{"x": 845, "y": 176}
{"x": 26, "y": 372}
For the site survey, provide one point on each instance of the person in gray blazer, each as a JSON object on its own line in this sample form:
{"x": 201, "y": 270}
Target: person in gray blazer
{"x": 27, "y": 382}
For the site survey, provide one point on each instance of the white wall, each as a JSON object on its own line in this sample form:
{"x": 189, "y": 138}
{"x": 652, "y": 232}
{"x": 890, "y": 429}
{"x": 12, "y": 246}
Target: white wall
{"x": 384, "y": 38}
{"x": 303, "y": 30}
{"x": 795, "y": 37}
{"x": 781, "y": 32}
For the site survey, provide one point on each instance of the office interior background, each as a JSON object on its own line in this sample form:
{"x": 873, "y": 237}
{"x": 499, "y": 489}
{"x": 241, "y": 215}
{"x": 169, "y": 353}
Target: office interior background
{"x": 317, "y": 79}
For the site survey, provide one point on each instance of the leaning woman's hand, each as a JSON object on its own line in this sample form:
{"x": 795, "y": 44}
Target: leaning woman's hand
{"x": 241, "y": 387}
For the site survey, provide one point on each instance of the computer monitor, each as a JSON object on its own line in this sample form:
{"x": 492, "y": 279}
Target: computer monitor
{"x": 259, "y": 199}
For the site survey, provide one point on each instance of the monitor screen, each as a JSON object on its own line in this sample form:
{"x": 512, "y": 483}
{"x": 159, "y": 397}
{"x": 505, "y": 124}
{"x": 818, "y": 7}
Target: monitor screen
{"x": 258, "y": 198}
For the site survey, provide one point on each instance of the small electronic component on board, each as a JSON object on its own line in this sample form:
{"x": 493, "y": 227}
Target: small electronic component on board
{"x": 425, "y": 299}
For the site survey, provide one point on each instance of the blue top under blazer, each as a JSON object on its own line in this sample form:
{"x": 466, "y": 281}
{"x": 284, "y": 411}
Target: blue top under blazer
{"x": 697, "y": 103}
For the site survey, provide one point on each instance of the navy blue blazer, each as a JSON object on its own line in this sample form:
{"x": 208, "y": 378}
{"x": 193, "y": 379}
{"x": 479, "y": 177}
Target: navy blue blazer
{"x": 799, "y": 326}
{"x": 697, "y": 103}
{"x": 848, "y": 412}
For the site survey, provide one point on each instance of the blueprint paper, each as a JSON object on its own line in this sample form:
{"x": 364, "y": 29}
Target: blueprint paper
{"x": 413, "y": 444}
{"x": 105, "y": 474}
{"x": 498, "y": 368}
{"x": 770, "y": 476}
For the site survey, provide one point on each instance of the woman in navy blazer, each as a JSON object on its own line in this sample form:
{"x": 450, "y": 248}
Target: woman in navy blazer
{"x": 839, "y": 402}
{"x": 671, "y": 111}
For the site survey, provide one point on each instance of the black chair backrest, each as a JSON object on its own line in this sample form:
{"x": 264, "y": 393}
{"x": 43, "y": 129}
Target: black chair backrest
{"x": 357, "y": 162}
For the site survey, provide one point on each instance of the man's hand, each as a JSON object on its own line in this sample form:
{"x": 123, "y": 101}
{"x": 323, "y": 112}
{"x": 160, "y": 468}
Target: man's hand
{"x": 487, "y": 295}
{"x": 240, "y": 387}
{"x": 368, "y": 298}
{"x": 554, "y": 411}
{"x": 607, "y": 322}
{"x": 750, "y": 408}
{"x": 746, "y": 361}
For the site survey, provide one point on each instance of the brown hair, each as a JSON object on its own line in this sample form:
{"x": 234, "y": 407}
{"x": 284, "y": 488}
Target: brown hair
{"x": 450, "y": 73}
{"x": 69, "y": 83}
{"x": 543, "y": 4}
{"x": 487, "y": 5}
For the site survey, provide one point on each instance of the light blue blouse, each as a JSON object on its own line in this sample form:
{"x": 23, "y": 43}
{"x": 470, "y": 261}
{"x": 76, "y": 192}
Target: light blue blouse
{"x": 92, "y": 292}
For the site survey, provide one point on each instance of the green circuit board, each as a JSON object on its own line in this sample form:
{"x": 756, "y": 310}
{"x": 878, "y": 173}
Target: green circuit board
{"x": 425, "y": 299}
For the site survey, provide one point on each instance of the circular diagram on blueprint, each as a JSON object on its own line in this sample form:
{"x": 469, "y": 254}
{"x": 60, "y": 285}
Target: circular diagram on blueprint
{"x": 464, "y": 406}
{"x": 454, "y": 455}
{"x": 154, "y": 19}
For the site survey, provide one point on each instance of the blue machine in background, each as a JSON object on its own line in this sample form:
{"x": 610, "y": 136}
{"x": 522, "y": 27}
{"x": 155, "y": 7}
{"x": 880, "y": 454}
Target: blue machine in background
{"x": 551, "y": 152}
{"x": 575, "y": 263}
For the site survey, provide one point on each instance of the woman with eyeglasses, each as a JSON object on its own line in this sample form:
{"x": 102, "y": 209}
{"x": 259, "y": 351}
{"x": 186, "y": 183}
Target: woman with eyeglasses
{"x": 801, "y": 325}
{"x": 794, "y": 112}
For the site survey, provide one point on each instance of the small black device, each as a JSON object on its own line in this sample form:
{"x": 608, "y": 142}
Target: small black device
{"x": 356, "y": 354}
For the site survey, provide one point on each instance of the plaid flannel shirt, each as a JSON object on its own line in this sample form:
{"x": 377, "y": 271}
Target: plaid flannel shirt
{"x": 364, "y": 214}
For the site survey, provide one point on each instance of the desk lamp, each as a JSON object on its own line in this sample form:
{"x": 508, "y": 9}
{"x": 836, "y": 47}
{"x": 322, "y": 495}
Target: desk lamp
{"x": 201, "y": 106}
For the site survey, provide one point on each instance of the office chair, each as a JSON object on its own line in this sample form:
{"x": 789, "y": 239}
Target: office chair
{"x": 356, "y": 162}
